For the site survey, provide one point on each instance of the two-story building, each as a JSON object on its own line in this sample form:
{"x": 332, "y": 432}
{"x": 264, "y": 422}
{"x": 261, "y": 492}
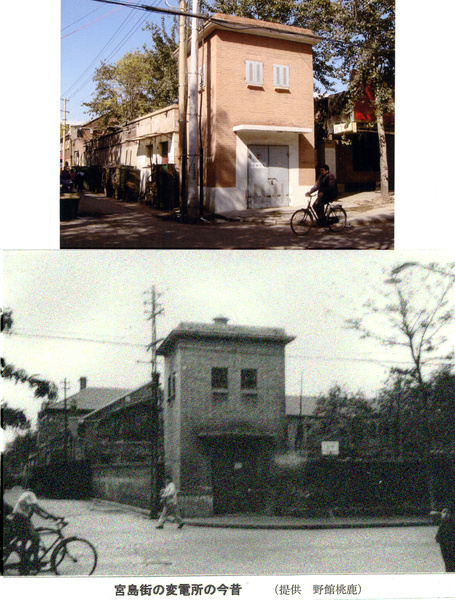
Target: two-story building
{"x": 224, "y": 413}
{"x": 256, "y": 96}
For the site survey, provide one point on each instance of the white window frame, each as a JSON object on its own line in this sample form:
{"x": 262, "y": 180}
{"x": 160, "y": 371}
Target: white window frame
{"x": 281, "y": 76}
{"x": 254, "y": 70}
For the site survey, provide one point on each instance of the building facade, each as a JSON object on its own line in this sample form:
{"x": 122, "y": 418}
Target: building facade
{"x": 58, "y": 423}
{"x": 256, "y": 99}
{"x": 348, "y": 142}
{"x": 223, "y": 413}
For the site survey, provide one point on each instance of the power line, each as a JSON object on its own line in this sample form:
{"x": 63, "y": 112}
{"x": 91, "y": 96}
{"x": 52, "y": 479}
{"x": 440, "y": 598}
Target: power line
{"x": 288, "y": 356}
{"x": 77, "y": 20}
{"x": 76, "y": 339}
{"x": 111, "y": 39}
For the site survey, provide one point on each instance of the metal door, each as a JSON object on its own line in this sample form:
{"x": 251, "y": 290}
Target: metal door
{"x": 268, "y": 176}
{"x": 237, "y": 485}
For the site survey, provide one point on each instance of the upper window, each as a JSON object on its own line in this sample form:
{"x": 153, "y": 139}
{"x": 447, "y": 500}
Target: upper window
{"x": 281, "y": 76}
{"x": 219, "y": 378}
{"x": 254, "y": 72}
{"x": 249, "y": 379}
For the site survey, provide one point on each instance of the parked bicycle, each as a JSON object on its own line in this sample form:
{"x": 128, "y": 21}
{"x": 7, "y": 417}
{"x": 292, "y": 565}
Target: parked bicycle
{"x": 71, "y": 556}
{"x": 304, "y": 218}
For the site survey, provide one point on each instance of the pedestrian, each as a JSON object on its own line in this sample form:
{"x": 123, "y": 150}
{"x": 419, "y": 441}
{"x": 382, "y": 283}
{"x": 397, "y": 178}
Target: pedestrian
{"x": 65, "y": 180}
{"x": 170, "y": 504}
{"x": 80, "y": 180}
{"x": 445, "y": 537}
{"x": 327, "y": 188}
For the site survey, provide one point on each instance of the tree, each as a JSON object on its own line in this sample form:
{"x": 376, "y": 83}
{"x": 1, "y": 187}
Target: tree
{"x": 140, "y": 82}
{"x": 163, "y": 83}
{"x": 15, "y": 418}
{"x": 344, "y": 417}
{"x": 414, "y": 315}
{"x": 364, "y": 39}
{"x": 16, "y": 457}
{"x": 121, "y": 88}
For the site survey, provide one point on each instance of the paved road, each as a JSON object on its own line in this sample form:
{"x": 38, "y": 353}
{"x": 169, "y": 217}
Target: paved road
{"x": 104, "y": 223}
{"x": 129, "y": 545}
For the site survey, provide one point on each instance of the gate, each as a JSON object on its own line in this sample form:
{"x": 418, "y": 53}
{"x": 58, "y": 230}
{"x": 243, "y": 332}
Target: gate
{"x": 268, "y": 176}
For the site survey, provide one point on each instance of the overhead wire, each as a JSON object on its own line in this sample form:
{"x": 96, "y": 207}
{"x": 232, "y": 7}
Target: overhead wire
{"x": 84, "y": 17}
{"x": 133, "y": 29}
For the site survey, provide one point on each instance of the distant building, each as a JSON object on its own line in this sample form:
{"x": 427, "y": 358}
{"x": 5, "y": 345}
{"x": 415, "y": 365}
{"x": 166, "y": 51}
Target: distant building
{"x": 123, "y": 442}
{"x": 58, "y": 422}
{"x": 223, "y": 413}
{"x": 348, "y": 142}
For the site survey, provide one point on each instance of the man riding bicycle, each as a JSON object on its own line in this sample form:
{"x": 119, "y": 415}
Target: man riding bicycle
{"x": 22, "y": 526}
{"x": 326, "y": 186}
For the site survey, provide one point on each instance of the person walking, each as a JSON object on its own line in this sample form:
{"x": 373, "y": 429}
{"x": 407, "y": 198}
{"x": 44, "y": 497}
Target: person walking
{"x": 445, "y": 537}
{"x": 170, "y": 504}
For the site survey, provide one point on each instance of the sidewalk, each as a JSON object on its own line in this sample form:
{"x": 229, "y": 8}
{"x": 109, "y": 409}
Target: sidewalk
{"x": 361, "y": 208}
{"x": 259, "y": 521}
{"x": 250, "y": 521}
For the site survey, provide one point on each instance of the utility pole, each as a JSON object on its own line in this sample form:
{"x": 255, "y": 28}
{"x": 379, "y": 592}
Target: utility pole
{"x": 65, "y": 100}
{"x": 156, "y": 459}
{"x": 66, "y": 387}
{"x": 182, "y": 112}
{"x": 193, "y": 197}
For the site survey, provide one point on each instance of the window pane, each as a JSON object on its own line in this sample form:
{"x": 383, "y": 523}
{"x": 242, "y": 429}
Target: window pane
{"x": 219, "y": 378}
{"x": 249, "y": 379}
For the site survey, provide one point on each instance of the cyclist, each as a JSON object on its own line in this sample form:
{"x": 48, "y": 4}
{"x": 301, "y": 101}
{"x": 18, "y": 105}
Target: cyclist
{"x": 25, "y": 507}
{"x": 326, "y": 186}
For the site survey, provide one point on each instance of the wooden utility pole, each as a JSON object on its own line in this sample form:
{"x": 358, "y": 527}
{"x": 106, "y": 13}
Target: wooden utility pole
{"x": 66, "y": 387}
{"x": 156, "y": 458}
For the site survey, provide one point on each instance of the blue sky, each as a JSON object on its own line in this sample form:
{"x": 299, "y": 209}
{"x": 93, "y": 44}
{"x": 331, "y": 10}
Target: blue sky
{"x": 91, "y": 32}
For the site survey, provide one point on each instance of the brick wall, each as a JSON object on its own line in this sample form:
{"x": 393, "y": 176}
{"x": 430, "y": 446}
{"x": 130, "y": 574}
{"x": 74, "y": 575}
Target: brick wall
{"x": 229, "y": 101}
{"x": 192, "y": 410}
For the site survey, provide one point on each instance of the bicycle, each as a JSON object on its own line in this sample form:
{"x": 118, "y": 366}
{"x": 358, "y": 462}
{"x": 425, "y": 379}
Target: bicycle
{"x": 69, "y": 556}
{"x": 303, "y": 219}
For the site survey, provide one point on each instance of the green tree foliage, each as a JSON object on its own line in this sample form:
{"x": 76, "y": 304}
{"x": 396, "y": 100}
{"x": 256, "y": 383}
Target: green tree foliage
{"x": 402, "y": 414}
{"x": 163, "y": 83}
{"x": 140, "y": 82}
{"x": 14, "y": 418}
{"x": 121, "y": 89}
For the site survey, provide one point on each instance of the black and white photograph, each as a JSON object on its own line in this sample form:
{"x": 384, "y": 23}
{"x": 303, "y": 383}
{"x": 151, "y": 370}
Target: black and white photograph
{"x": 168, "y": 413}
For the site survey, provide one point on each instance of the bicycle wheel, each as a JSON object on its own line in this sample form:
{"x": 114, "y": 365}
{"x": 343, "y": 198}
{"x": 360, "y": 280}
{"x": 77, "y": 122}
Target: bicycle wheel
{"x": 301, "y": 221}
{"x": 74, "y": 557}
{"x": 336, "y": 218}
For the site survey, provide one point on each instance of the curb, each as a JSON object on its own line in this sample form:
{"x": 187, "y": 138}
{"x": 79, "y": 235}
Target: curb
{"x": 307, "y": 526}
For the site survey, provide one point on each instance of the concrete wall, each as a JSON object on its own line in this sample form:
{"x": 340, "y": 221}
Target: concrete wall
{"x": 126, "y": 484}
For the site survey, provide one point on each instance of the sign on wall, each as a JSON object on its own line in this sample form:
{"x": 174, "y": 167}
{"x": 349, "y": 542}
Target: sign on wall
{"x": 330, "y": 448}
